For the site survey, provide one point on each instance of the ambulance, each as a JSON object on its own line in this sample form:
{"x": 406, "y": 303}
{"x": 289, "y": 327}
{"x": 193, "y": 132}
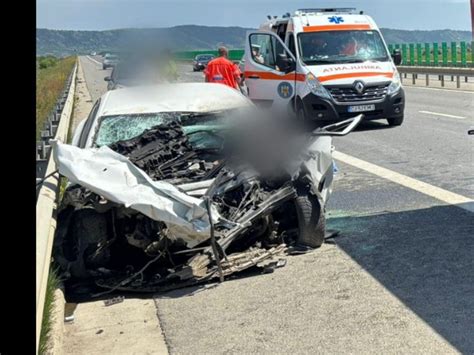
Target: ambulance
{"x": 324, "y": 65}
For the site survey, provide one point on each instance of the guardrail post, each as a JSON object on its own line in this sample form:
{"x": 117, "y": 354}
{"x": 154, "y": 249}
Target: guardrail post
{"x": 458, "y": 81}
{"x": 463, "y": 54}
{"x": 413, "y": 77}
{"x": 427, "y": 54}
{"x": 427, "y": 79}
{"x": 442, "y": 80}
{"x": 435, "y": 54}
{"x": 412, "y": 54}
{"x": 444, "y": 49}
{"x": 454, "y": 54}
{"x": 419, "y": 56}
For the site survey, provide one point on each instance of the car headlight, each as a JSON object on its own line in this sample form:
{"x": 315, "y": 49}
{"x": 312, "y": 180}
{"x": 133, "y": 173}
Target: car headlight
{"x": 316, "y": 87}
{"x": 395, "y": 85}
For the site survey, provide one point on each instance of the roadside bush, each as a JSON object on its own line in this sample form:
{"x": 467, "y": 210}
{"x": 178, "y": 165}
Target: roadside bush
{"x": 46, "y": 62}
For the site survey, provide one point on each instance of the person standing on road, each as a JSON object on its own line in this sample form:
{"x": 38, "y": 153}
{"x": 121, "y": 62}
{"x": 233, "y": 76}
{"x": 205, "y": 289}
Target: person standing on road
{"x": 222, "y": 70}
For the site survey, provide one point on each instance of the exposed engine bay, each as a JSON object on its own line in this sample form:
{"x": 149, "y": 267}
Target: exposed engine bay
{"x": 252, "y": 219}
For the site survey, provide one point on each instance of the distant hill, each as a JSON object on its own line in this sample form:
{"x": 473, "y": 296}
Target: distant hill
{"x": 189, "y": 37}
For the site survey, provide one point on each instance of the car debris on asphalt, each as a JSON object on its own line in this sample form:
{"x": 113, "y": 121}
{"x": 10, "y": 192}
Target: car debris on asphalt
{"x": 113, "y": 300}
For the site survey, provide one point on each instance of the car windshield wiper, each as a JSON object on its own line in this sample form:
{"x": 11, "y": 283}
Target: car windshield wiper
{"x": 318, "y": 61}
{"x": 354, "y": 60}
{"x": 379, "y": 59}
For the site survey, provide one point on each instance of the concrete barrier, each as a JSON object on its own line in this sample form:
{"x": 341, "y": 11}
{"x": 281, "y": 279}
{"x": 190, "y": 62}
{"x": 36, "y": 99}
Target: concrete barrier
{"x": 46, "y": 212}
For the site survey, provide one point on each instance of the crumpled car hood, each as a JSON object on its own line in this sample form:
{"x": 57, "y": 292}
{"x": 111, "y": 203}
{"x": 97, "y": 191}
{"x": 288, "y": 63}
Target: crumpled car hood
{"x": 114, "y": 177}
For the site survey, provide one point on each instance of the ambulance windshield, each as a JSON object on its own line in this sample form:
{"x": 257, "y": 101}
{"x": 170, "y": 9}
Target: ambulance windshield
{"x": 334, "y": 47}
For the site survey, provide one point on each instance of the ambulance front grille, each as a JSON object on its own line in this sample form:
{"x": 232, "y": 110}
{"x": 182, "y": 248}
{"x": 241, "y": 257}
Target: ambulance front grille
{"x": 349, "y": 94}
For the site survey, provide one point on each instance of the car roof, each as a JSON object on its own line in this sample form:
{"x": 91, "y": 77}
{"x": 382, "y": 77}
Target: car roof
{"x": 177, "y": 97}
{"x": 204, "y": 55}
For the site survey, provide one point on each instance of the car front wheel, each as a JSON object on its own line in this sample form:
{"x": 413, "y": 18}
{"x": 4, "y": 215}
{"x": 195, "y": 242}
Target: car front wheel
{"x": 311, "y": 219}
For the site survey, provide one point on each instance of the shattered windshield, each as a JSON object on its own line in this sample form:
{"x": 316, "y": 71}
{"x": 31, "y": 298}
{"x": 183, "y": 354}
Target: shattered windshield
{"x": 201, "y": 128}
{"x": 335, "y": 47}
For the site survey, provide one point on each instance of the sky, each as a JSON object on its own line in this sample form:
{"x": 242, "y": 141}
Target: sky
{"x": 113, "y": 14}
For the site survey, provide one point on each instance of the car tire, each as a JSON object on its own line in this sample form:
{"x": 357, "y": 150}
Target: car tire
{"x": 395, "y": 121}
{"x": 86, "y": 232}
{"x": 311, "y": 219}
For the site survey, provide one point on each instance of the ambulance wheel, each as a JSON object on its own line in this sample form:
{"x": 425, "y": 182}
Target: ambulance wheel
{"x": 397, "y": 121}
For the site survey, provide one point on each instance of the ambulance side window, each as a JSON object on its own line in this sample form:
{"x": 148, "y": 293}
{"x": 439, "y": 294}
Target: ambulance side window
{"x": 263, "y": 49}
{"x": 268, "y": 51}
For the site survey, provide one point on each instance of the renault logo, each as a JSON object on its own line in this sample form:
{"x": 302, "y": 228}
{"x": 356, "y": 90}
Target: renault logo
{"x": 359, "y": 86}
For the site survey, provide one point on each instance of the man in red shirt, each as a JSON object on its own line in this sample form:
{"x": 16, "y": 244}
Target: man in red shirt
{"x": 222, "y": 70}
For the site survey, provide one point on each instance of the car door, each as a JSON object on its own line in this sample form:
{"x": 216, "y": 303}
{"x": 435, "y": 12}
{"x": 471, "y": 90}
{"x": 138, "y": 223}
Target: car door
{"x": 270, "y": 72}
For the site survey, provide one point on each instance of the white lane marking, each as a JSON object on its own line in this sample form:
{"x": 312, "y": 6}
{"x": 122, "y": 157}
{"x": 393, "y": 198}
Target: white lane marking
{"x": 417, "y": 185}
{"x": 438, "y": 89}
{"x": 441, "y": 114}
{"x": 94, "y": 60}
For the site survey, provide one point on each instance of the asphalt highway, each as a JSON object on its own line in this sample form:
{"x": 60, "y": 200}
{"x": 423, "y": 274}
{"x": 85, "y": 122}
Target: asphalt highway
{"x": 400, "y": 276}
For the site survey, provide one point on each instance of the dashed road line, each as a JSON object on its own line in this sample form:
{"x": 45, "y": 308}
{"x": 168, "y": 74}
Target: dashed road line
{"x": 441, "y": 114}
{"x": 414, "y": 184}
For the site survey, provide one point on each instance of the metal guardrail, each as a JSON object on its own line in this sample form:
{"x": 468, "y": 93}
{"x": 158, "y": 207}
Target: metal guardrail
{"x": 441, "y": 72}
{"x": 56, "y": 127}
{"x": 50, "y": 127}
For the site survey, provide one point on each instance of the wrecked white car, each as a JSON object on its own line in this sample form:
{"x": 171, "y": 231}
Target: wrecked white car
{"x": 171, "y": 190}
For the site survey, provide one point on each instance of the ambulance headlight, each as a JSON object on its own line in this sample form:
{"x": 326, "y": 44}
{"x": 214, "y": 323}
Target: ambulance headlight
{"x": 395, "y": 85}
{"x": 316, "y": 87}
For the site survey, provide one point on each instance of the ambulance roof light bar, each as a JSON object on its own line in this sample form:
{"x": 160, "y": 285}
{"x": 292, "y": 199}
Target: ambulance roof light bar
{"x": 323, "y": 10}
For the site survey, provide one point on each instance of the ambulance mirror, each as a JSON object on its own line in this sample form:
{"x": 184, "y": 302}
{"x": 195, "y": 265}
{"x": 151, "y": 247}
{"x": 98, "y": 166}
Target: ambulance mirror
{"x": 397, "y": 57}
{"x": 285, "y": 63}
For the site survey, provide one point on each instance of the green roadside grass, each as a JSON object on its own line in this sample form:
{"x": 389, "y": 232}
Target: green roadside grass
{"x": 51, "y": 76}
{"x": 53, "y": 284}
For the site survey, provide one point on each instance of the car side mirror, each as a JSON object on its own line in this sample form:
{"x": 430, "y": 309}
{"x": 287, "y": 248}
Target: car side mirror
{"x": 397, "y": 57}
{"x": 107, "y": 78}
{"x": 286, "y": 64}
